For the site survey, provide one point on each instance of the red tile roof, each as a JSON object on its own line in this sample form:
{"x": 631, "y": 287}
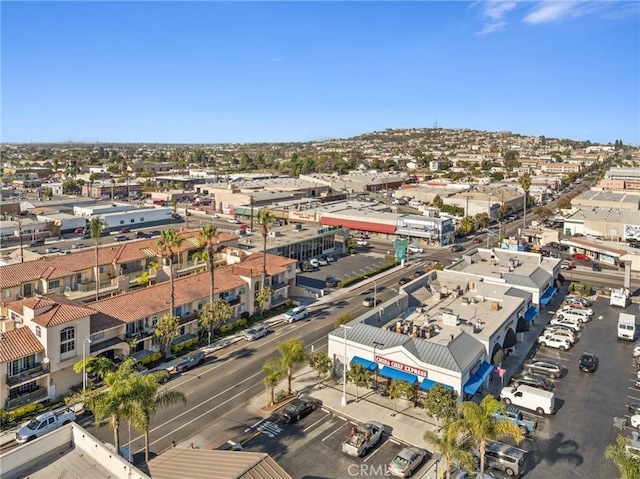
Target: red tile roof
{"x": 154, "y": 300}
{"x": 252, "y": 266}
{"x": 17, "y": 344}
{"x": 103, "y": 322}
{"x": 58, "y": 309}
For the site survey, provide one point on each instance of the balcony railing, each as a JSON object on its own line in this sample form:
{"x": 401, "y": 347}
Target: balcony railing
{"x": 34, "y": 396}
{"x": 106, "y": 344}
{"x": 27, "y": 375}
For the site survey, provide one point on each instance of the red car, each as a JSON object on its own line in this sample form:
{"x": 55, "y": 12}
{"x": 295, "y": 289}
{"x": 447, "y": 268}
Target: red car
{"x": 476, "y": 241}
{"x": 581, "y": 257}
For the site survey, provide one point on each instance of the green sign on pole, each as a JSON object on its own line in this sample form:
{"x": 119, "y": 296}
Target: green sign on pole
{"x": 401, "y": 248}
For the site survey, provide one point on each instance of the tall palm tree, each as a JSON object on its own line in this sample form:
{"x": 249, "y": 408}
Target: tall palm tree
{"x": 479, "y": 421}
{"x": 168, "y": 243}
{"x": 525, "y": 183}
{"x": 291, "y": 354}
{"x": 627, "y": 464}
{"x": 208, "y": 237}
{"x": 96, "y": 227}
{"x": 116, "y": 401}
{"x": 273, "y": 370}
{"x": 452, "y": 447}
{"x": 265, "y": 219}
{"x": 148, "y": 401}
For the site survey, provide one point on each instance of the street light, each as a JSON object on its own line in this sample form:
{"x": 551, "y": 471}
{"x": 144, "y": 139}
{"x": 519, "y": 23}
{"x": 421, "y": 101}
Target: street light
{"x": 344, "y": 367}
{"x": 84, "y": 364}
{"x": 376, "y": 344}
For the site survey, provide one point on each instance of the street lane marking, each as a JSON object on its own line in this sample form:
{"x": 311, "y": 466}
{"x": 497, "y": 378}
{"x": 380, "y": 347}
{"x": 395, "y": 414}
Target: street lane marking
{"x": 374, "y": 452}
{"x": 394, "y": 441}
{"x": 319, "y": 420}
{"x": 327, "y": 437}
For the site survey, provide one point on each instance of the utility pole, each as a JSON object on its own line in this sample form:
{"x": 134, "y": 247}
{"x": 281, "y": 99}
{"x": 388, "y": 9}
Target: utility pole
{"x": 21, "y": 244}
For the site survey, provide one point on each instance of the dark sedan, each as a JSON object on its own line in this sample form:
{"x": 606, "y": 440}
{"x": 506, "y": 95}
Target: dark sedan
{"x": 300, "y": 407}
{"x": 589, "y": 362}
{"x": 404, "y": 281}
{"x": 532, "y": 380}
{"x": 634, "y": 408}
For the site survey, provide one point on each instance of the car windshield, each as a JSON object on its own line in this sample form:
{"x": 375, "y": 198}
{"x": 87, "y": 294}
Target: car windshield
{"x": 33, "y": 424}
{"x": 401, "y": 462}
{"x": 291, "y": 407}
{"x": 251, "y": 331}
{"x": 291, "y": 312}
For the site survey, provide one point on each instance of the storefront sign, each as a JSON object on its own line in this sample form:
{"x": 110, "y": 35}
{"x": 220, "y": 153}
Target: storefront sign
{"x": 402, "y": 367}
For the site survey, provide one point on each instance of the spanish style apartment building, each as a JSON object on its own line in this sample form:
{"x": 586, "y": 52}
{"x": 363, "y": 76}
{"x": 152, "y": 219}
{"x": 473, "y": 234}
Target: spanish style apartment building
{"x": 44, "y": 330}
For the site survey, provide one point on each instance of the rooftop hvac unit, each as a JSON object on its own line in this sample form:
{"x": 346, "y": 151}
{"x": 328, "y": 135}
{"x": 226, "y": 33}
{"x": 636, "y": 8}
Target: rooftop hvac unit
{"x": 495, "y": 306}
{"x": 450, "y": 319}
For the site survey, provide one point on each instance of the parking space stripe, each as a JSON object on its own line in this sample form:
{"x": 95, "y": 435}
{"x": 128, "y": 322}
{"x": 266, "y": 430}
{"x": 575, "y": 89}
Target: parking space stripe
{"x": 327, "y": 437}
{"x": 319, "y": 420}
{"x": 394, "y": 441}
{"x": 370, "y": 455}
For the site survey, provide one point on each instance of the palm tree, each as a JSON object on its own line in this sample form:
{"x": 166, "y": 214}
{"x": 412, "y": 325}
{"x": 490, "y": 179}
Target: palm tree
{"x": 265, "y": 219}
{"x": 208, "y": 237}
{"x": 116, "y": 401}
{"x": 627, "y": 463}
{"x": 95, "y": 366}
{"x": 452, "y": 447}
{"x": 479, "y": 421}
{"x": 147, "y": 402}
{"x": 525, "y": 183}
{"x": 291, "y": 354}
{"x": 168, "y": 243}
{"x": 96, "y": 227}
{"x": 273, "y": 369}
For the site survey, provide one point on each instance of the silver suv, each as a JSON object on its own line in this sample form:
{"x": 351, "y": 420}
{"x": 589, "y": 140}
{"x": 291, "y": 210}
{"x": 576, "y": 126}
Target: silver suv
{"x": 504, "y": 457}
{"x": 548, "y": 368}
{"x": 256, "y": 332}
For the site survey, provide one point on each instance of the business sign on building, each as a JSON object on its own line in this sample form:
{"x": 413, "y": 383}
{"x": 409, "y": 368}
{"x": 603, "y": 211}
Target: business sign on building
{"x": 402, "y": 367}
{"x": 302, "y": 216}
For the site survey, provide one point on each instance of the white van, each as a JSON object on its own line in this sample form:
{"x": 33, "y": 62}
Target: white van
{"x": 415, "y": 203}
{"x": 538, "y": 400}
{"x": 295, "y": 314}
{"x": 626, "y": 326}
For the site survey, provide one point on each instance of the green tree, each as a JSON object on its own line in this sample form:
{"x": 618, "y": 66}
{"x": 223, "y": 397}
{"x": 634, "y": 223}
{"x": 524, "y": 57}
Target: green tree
{"x": 399, "y": 389}
{"x": 265, "y": 220}
{"x": 479, "y": 421}
{"x": 467, "y": 225}
{"x": 543, "y": 212}
{"x": 96, "y": 227}
{"x": 437, "y": 202}
{"x": 510, "y": 160}
{"x": 96, "y": 367}
{"x": 482, "y": 220}
{"x": 273, "y": 373}
{"x": 320, "y": 362}
{"x": 168, "y": 243}
{"x": 359, "y": 376}
{"x": 344, "y": 318}
{"x": 452, "y": 447}
{"x": 147, "y": 402}
{"x": 441, "y": 403}
{"x": 564, "y": 203}
{"x": 208, "y": 238}
{"x": 164, "y": 332}
{"x": 263, "y": 297}
{"x": 291, "y": 354}
{"x": 214, "y": 315}
{"x": 504, "y": 210}
{"x": 351, "y": 245}
{"x": 525, "y": 183}
{"x": 117, "y": 400}
{"x": 627, "y": 464}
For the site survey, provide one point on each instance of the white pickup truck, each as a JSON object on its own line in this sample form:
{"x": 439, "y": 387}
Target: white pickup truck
{"x": 362, "y": 439}
{"x": 44, "y": 423}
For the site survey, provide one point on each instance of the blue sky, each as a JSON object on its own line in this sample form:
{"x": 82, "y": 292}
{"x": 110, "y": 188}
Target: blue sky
{"x": 218, "y": 72}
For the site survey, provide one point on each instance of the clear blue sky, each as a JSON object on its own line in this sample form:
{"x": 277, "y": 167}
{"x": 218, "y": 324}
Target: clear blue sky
{"x": 218, "y": 72}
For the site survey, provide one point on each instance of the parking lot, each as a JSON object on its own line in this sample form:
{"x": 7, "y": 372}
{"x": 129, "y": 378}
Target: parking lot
{"x": 571, "y": 442}
{"x": 311, "y": 447}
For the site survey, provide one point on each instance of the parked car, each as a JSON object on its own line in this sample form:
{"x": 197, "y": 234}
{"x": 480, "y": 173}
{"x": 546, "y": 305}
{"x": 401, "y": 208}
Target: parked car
{"x": 189, "y": 361}
{"x": 256, "y": 332}
{"x": 52, "y": 249}
{"x": 561, "y": 331}
{"x": 156, "y": 233}
{"x": 418, "y": 273}
{"x": 532, "y": 380}
{"x": 572, "y": 324}
{"x": 125, "y": 230}
{"x": 634, "y": 408}
{"x": 233, "y": 221}
{"x": 78, "y": 231}
{"x": 555, "y": 334}
{"x": 567, "y": 265}
{"x": 44, "y": 423}
{"x": 78, "y": 245}
{"x": 314, "y": 263}
{"x": 331, "y": 282}
{"x": 329, "y": 258}
{"x": 510, "y": 459}
{"x": 406, "y": 461}
{"x": 142, "y": 234}
{"x": 299, "y": 408}
{"x": 589, "y": 362}
{"x": 362, "y": 242}
{"x": 36, "y": 243}
{"x": 583, "y": 310}
{"x": 119, "y": 238}
{"x": 580, "y": 257}
{"x": 580, "y": 299}
{"x": 368, "y": 302}
{"x": 404, "y": 281}
{"x": 548, "y": 368}
{"x": 456, "y": 248}
{"x": 553, "y": 341}
{"x": 323, "y": 262}
{"x": 596, "y": 267}
{"x": 296, "y": 314}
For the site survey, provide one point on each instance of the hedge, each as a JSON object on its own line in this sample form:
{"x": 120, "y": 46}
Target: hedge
{"x": 17, "y": 414}
{"x": 186, "y": 346}
{"x": 151, "y": 358}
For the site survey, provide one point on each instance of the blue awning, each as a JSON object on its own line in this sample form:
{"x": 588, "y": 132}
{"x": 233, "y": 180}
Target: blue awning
{"x": 530, "y": 314}
{"x": 427, "y": 384}
{"x": 369, "y": 365}
{"x": 475, "y": 381}
{"x": 548, "y": 294}
{"x": 392, "y": 373}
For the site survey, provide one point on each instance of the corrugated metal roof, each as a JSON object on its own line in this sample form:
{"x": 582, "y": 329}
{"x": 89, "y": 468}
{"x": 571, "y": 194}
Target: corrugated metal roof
{"x": 205, "y": 464}
{"x": 456, "y": 356}
{"x": 518, "y": 293}
{"x": 538, "y": 278}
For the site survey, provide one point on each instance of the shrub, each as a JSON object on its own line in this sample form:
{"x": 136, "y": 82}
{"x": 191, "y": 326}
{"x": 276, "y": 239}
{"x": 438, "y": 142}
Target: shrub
{"x": 184, "y": 347}
{"x": 17, "y": 414}
{"x": 233, "y": 327}
{"x": 151, "y": 358}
